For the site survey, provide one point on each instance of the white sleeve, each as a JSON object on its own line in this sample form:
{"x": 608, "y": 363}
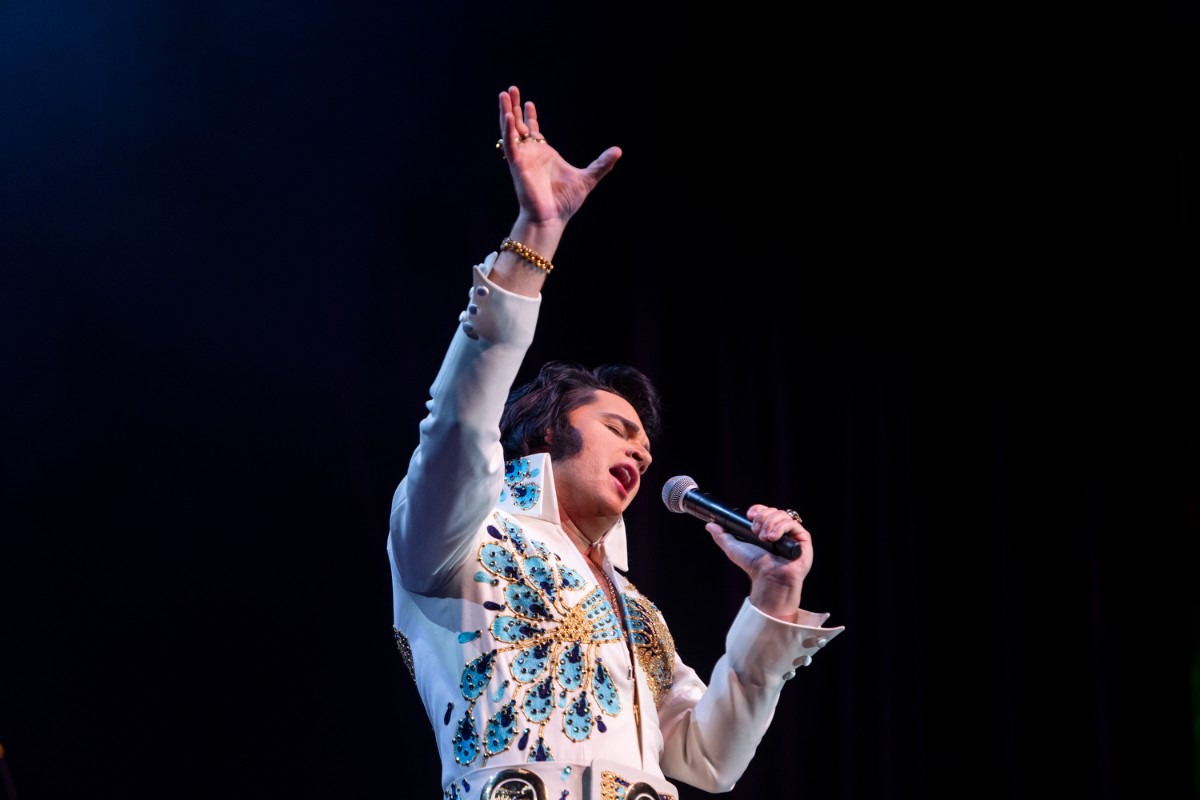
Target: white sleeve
{"x": 455, "y": 473}
{"x": 710, "y": 733}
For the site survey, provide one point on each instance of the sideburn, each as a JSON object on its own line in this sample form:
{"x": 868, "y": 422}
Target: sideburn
{"x": 564, "y": 442}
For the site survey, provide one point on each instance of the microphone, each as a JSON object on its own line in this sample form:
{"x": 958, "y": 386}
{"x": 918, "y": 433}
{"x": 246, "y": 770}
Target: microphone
{"x": 682, "y": 496}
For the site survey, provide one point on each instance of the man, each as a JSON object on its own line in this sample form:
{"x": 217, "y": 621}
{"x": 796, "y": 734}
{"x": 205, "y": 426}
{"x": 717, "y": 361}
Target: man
{"x": 544, "y": 672}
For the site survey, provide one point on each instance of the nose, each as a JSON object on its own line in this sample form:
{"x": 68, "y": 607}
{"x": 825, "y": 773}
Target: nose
{"x": 641, "y": 456}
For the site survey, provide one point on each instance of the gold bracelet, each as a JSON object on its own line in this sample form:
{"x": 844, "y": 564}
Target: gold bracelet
{"x": 527, "y": 254}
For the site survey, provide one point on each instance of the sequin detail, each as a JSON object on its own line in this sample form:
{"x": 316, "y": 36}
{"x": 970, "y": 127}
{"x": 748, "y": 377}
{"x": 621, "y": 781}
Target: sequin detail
{"x": 552, "y": 623}
{"x": 501, "y": 729}
{"x": 520, "y": 484}
{"x": 405, "y": 651}
{"x": 540, "y": 751}
{"x": 652, "y": 642}
{"x": 615, "y": 787}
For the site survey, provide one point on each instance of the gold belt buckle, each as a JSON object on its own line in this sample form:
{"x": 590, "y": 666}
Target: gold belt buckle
{"x": 615, "y": 787}
{"x": 641, "y": 791}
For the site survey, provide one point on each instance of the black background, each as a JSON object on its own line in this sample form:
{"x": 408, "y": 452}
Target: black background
{"x": 923, "y": 273}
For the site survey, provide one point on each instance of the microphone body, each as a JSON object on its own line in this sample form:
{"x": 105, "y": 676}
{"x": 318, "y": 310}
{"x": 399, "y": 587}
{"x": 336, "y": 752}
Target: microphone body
{"x": 681, "y": 495}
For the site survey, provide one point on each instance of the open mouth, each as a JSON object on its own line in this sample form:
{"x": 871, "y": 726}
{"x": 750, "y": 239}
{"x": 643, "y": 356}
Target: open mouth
{"x": 626, "y": 475}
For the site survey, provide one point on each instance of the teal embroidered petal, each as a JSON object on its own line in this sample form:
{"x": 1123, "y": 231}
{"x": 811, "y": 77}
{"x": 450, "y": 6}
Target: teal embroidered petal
{"x": 570, "y": 579}
{"x": 570, "y": 667}
{"x": 577, "y": 721}
{"x": 499, "y": 561}
{"x": 507, "y": 628}
{"x": 526, "y": 601}
{"x": 605, "y": 691}
{"x": 540, "y": 574}
{"x": 539, "y": 701}
{"x": 476, "y": 675}
{"x": 466, "y": 740}
{"x": 501, "y": 729}
{"x": 531, "y": 663}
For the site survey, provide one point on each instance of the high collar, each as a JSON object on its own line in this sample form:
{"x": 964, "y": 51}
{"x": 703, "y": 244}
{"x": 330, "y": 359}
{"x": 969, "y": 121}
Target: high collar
{"x": 528, "y": 491}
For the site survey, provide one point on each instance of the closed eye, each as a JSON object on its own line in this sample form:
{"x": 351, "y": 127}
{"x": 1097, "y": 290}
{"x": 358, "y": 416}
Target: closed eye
{"x": 627, "y": 430}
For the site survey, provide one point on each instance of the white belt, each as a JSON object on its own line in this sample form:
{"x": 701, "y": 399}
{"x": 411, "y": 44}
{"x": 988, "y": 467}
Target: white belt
{"x": 554, "y": 780}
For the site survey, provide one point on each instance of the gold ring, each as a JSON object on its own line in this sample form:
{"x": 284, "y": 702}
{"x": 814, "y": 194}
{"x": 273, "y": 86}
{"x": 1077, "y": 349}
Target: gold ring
{"x": 518, "y": 140}
{"x": 793, "y": 515}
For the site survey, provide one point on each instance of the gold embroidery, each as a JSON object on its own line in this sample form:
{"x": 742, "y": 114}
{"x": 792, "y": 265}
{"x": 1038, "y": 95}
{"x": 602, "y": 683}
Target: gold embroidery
{"x": 652, "y": 643}
{"x": 614, "y": 787}
{"x": 550, "y": 624}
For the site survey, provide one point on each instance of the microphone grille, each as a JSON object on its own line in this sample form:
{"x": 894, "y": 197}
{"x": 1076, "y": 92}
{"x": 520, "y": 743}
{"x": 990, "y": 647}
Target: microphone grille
{"x": 674, "y": 490}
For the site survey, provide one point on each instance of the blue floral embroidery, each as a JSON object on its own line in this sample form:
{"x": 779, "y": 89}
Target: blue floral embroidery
{"x": 520, "y": 484}
{"x": 555, "y": 669}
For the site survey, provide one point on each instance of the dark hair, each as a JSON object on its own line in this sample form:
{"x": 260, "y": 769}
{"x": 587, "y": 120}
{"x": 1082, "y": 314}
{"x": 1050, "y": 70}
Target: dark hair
{"x": 535, "y": 414}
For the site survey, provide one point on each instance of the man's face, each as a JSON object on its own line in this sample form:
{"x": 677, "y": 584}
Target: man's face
{"x": 602, "y": 479}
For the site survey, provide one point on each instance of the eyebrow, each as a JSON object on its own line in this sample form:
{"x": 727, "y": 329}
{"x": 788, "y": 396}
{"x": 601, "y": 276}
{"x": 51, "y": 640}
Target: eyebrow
{"x": 632, "y": 429}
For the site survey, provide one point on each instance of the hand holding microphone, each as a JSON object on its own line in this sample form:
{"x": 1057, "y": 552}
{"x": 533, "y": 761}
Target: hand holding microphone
{"x": 681, "y": 495}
